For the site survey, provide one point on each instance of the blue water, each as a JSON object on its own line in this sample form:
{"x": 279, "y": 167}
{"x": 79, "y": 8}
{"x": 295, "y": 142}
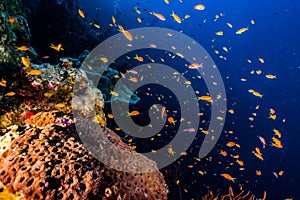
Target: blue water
{"x": 274, "y": 37}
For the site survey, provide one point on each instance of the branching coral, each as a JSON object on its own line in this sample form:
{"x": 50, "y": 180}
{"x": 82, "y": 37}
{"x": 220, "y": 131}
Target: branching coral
{"x": 231, "y": 196}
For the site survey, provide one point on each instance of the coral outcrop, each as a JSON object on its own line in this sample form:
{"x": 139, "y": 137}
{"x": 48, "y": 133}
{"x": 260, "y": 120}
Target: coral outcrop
{"x": 52, "y": 163}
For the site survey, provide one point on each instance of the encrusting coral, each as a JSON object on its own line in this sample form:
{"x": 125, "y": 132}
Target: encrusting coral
{"x": 50, "y": 162}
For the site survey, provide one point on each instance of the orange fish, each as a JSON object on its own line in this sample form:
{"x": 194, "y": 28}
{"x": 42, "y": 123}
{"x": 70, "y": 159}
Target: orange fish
{"x": 56, "y": 48}
{"x": 199, "y": 7}
{"x": 110, "y": 115}
{"x": 163, "y": 111}
{"x": 34, "y": 72}
{"x": 170, "y": 151}
{"x": 9, "y": 94}
{"x": 276, "y": 143}
{"x": 280, "y": 173}
{"x": 127, "y": 34}
{"x": 196, "y": 65}
{"x": 223, "y": 153}
{"x": 25, "y": 61}
{"x": 206, "y": 98}
{"x": 11, "y": 20}
{"x": 228, "y": 177}
{"x": 81, "y": 13}
{"x": 241, "y": 163}
{"x": 230, "y": 144}
{"x": 159, "y": 16}
{"x": 133, "y": 79}
{"x": 133, "y": 113}
{"x": 258, "y": 172}
{"x": 3, "y": 83}
{"x": 176, "y": 17}
{"x": 258, "y": 153}
{"x": 277, "y": 133}
{"x": 139, "y": 58}
{"x": 23, "y": 48}
{"x": 171, "y": 120}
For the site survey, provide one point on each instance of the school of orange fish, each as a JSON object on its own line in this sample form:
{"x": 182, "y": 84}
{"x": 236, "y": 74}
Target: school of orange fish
{"x": 230, "y": 149}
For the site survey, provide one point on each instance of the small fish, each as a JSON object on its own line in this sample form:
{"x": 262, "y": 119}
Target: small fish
{"x": 206, "y": 98}
{"x": 166, "y": 1}
{"x": 133, "y": 79}
{"x": 3, "y": 83}
{"x": 26, "y": 62}
{"x": 170, "y": 151}
{"x": 171, "y": 120}
{"x": 109, "y": 115}
{"x": 263, "y": 141}
{"x": 176, "y": 17}
{"x": 231, "y": 111}
{"x": 159, "y": 16}
{"x": 252, "y": 22}
{"x": 270, "y": 76}
{"x": 9, "y": 94}
{"x": 239, "y": 162}
{"x": 57, "y": 48}
{"x": 113, "y": 20}
{"x": 81, "y": 13}
{"x": 199, "y": 7}
{"x": 261, "y": 60}
{"x": 127, "y": 34}
{"x": 228, "y": 177}
{"x": 139, "y": 58}
{"x": 34, "y": 72}
{"x": 195, "y": 66}
{"x": 255, "y": 93}
{"x": 97, "y": 25}
{"x": 23, "y": 48}
{"x": 242, "y": 30}
{"x": 229, "y": 25}
{"x": 163, "y": 111}
{"x": 189, "y": 130}
{"x": 11, "y": 20}
{"x": 230, "y": 144}
{"x": 280, "y": 173}
{"x": 220, "y": 33}
{"x": 223, "y": 153}
{"x": 133, "y": 113}
{"x": 139, "y": 19}
{"x": 277, "y": 133}
{"x": 258, "y": 172}
{"x": 114, "y": 93}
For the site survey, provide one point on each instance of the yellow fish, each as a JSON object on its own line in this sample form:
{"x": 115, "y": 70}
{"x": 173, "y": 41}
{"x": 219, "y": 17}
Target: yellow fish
{"x": 270, "y": 76}
{"x": 26, "y": 62}
{"x": 125, "y": 33}
{"x": 23, "y": 48}
{"x": 176, "y": 17}
{"x": 34, "y": 72}
{"x": 242, "y": 30}
{"x": 199, "y": 7}
{"x": 220, "y": 33}
{"x": 81, "y": 13}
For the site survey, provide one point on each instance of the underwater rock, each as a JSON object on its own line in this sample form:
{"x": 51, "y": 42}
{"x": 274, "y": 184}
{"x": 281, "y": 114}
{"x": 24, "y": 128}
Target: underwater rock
{"x": 52, "y": 163}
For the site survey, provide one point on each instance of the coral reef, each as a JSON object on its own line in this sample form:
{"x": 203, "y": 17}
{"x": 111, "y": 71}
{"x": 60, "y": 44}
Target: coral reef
{"x": 41, "y": 154}
{"x": 52, "y": 163}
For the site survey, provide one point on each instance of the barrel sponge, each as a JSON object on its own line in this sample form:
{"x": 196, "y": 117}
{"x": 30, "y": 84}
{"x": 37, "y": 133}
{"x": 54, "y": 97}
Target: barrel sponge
{"x": 49, "y": 161}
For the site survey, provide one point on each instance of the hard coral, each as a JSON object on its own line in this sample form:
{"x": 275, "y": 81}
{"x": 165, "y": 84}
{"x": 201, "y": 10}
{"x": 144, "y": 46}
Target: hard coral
{"x": 52, "y": 163}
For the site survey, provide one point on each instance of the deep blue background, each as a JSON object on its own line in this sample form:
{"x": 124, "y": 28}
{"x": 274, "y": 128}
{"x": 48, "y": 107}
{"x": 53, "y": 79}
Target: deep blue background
{"x": 275, "y": 37}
